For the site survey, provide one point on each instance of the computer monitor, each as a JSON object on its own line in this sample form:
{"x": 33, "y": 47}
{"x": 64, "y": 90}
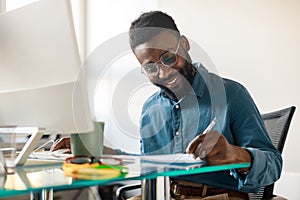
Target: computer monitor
{"x": 41, "y": 83}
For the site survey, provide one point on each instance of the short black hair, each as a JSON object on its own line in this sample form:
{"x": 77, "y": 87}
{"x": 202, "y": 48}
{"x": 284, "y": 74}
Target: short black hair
{"x": 140, "y": 32}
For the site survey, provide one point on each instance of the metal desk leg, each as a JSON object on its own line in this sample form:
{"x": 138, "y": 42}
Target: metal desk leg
{"x": 45, "y": 194}
{"x": 156, "y": 189}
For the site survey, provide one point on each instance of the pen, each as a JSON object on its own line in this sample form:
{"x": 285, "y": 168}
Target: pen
{"x": 210, "y": 126}
{"x": 208, "y": 129}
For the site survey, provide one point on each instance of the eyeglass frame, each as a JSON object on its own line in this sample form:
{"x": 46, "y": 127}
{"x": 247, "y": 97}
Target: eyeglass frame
{"x": 143, "y": 71}
{"x": 93, "y": 158}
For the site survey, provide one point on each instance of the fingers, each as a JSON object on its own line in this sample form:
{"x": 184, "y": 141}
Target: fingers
{"x": 203, "y": 146}
{"x": 63, "y": 143}
{"x": 192, "y": 146}
{"x": 108, "y": 150}
{"x": 196, "y": 153}
{"x": 209, "y": 147}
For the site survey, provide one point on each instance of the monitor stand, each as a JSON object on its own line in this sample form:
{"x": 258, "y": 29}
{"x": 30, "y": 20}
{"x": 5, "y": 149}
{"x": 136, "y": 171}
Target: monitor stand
{"x": 36, "y": 134}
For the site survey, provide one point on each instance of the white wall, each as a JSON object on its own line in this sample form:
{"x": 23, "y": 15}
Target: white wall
{"x": 105, "y": 20}
{"x": 2, "y": 6}
{"x": 254, "y": 42}
{"x": 13, "y": 4}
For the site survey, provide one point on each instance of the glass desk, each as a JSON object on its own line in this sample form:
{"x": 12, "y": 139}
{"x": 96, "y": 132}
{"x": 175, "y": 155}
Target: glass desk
{"x": 44, "y": 178}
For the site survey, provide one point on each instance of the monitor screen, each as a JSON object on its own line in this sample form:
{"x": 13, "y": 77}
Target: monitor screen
{"x": 57, "y": 108}
{"x": 40, "y": 80}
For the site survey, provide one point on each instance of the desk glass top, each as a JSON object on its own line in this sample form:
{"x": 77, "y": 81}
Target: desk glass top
{"x": 35, "y": 178}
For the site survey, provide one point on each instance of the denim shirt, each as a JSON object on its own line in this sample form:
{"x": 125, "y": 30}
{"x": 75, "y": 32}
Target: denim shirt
{"x": 167, "y": 127}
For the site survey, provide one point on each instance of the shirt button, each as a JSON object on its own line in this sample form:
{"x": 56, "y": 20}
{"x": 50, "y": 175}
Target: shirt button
{"x": 176, "y": 106}
{"x": 177, "y": 133}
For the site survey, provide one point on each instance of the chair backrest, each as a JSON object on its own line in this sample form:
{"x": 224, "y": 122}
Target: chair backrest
{"x": 277, "y": 124}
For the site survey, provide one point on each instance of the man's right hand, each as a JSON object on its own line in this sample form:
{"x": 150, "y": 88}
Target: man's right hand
{"x": 64, "y": 143}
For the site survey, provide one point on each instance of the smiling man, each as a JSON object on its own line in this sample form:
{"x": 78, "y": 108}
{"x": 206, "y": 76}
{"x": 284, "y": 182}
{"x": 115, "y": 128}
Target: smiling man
{"x": 173, "y": 119}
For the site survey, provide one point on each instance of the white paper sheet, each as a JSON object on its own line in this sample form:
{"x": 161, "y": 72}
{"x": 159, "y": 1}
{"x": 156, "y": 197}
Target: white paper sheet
{"x": 172, "y": 159}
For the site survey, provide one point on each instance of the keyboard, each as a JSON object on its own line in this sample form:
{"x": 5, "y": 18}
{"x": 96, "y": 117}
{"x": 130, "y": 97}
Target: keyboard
{"x": 49, "y": 155}
{"x": 31, "y": 162}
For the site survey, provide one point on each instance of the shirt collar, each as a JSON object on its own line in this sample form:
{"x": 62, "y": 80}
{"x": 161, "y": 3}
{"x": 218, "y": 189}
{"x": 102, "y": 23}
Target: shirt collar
{"x": 199, "y": 84}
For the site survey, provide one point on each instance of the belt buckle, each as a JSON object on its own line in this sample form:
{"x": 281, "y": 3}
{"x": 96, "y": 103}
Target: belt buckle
{"x": 175, "y": 192}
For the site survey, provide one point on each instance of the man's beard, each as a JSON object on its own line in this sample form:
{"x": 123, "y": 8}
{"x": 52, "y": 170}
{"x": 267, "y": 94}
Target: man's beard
{"x": 189, "y": 69}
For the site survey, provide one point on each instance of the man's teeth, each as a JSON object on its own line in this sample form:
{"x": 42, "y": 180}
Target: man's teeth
{"x": 171, "y": 82}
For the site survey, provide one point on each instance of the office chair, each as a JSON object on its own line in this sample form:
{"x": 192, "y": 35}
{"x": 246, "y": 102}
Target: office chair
{"x": 277, "y": 124}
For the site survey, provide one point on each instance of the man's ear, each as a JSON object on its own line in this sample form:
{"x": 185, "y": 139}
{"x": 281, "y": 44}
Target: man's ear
{"x": 185, "y": 43}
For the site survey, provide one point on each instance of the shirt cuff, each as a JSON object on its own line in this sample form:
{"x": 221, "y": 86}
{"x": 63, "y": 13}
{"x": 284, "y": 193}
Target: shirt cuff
{"x": 250, "y": 182}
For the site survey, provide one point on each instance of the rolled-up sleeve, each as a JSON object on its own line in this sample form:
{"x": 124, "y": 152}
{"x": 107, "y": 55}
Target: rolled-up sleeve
{"x": 264, "y": 170}
{"x": 250, "y": 133}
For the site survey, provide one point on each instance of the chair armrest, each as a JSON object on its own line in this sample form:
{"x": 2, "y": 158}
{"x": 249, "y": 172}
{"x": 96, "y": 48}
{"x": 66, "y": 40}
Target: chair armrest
{"x": 120, "y": 193}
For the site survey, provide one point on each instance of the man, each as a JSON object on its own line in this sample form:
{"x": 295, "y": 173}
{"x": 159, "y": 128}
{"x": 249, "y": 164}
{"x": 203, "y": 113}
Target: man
{"x": 173, "y": 119}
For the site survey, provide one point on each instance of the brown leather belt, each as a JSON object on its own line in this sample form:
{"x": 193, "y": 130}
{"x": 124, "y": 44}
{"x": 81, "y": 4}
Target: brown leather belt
{"x": 178, "y": 191}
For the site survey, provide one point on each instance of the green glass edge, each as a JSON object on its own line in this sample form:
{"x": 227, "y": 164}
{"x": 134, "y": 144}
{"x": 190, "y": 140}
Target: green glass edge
{"x": 204, "y": 169}
{"x": 86, "y": 183}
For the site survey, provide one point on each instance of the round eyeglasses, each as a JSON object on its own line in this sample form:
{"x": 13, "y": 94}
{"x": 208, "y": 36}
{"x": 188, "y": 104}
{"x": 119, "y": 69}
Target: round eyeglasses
{"x": 93, "y": 159}
{"x": 168, "y": 59}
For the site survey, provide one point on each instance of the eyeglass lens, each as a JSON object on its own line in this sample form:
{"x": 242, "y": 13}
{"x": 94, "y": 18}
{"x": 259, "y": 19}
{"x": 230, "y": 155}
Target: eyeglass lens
{"x": 150, "y": 69}
{"x": 103, "y": 160}
{"x": 167, "y": 59}
{"x": 81, "y": 160}
{"x": 110, "y": 161}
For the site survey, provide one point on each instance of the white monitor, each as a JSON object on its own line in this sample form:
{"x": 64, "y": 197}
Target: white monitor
{"x": 39, "y": 69}
{"x": 40, "y": 80}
